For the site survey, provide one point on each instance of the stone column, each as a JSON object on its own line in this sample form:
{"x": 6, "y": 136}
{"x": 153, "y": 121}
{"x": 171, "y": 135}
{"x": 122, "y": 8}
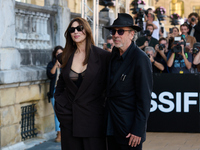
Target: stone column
{"x": 101, "y": 40}
{"x": 50, "y": 2}
{"x": 22, "y": 16}
{"x": 62, "y": 19}
{"x": 38, "y": 23}
{"x": 108, "y": 15}
{"x": 9, "y": 60}
{"x": 9, "y": 56}
{"x": 34, "y": 22}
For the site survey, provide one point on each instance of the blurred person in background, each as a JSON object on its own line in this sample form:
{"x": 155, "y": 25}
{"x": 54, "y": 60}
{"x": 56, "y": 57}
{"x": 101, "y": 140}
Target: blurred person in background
{"x": 162, "y": 52}
{"x": 147, "y": 40}
{"x": 194, "y": 28}
{"x": 173, "y": 32}
{"x": 156, "y": 65}
{"x": 179, "y": 61}
{"x": 196, "y": 58}
{"x": 53, "y": 72}
{"x": 150, "y": 10}
{"x": 189, "y": 40}
{"x": 109, "y": 44}
{"x": 152, "y": 20}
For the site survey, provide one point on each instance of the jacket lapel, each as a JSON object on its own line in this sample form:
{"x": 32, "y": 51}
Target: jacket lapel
{"x": 91, "y": 72}
{"x": 129, "y": 58}
{"x": 109, "y": 72}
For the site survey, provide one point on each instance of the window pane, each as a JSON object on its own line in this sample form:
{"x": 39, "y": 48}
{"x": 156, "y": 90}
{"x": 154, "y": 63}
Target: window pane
{"x": 177, "y": 7}
{"x": 196, "y": 9}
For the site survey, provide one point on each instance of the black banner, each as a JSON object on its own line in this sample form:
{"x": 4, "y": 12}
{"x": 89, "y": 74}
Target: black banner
{"x": 175, "y": 105}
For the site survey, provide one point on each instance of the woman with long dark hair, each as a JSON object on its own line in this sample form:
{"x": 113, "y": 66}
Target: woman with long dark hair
{"x": 80, "y": 90}
{"x": 173, "y": 33}
{"x": 53, "y": 71}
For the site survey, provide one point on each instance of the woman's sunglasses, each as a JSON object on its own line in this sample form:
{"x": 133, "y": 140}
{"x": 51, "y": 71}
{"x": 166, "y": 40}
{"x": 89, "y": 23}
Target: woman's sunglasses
{"x": 120, "y": 31}
{"x": 78, "y": 28}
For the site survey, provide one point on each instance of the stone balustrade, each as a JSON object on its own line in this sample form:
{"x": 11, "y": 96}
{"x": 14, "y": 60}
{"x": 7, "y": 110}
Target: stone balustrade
{"x": 31, "y": 30}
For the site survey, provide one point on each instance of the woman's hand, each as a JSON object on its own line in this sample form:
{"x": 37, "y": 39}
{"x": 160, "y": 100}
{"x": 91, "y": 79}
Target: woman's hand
{"x": 57, "y": 64}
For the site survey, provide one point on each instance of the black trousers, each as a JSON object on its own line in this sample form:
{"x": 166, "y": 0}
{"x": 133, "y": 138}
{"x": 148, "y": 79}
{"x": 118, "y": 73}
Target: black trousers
{"x": 112, "y": 144}
{"x": 68, "y": 142}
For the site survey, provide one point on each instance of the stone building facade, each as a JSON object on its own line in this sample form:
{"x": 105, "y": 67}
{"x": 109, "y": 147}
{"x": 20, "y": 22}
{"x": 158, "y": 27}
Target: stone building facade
{"x": 28, "y": 35}
{"x": 181, "y": 7}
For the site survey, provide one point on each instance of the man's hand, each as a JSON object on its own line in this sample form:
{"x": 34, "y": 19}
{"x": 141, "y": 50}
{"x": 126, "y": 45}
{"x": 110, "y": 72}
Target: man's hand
{"x": 170, "y": 35}
{"x": 146, "y": 43}
{"x": 196, "y": 60}
{"x": 134, "y": 140}
{"x": 149, "y": 22}
{"x": 106, "y": 48}
{"x": 104, "y": 45}
{"x": 194, "y": 22}
{"x": 157, "y": 47}
{"x": 151, "y": 58}
{"x": 145, "y": 17}
{"x": 188, "y": 48}
{"x": 182, "y": 53}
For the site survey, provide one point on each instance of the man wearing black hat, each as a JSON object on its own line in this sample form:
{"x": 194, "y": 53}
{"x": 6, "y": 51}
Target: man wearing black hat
{"x": 129, "y": 88}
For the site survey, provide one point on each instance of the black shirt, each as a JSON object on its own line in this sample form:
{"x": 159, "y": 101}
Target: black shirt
{"x": 118, "y": 60}
{"x": 152, "y": 42}
{"x": 160, "y": 59}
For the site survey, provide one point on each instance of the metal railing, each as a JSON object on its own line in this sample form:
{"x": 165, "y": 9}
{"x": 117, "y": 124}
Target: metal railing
{"x": 28, "y": 129}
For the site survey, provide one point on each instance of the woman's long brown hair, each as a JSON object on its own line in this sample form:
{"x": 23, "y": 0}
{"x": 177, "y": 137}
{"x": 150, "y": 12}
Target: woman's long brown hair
{"x": 70, "y": 45}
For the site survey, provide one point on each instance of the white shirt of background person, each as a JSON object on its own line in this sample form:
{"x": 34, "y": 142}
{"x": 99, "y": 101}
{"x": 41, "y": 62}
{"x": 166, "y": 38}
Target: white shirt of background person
{"x": 155, "y": 31}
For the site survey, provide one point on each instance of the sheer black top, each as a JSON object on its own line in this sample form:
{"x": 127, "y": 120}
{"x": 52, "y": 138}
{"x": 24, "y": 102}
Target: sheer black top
{"x": 77, "y": 78}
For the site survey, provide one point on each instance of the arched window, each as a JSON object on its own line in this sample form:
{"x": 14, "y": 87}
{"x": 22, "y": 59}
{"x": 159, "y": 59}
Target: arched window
{"x": 177, "y": 6}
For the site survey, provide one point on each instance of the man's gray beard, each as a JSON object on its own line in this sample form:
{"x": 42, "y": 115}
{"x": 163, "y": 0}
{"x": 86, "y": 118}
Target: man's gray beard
{"x": 119, "y": 46}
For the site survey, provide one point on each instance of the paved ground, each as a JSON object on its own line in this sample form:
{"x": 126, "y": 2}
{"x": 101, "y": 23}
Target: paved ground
{"x": 48, "y": 145}
{"x": 155, "y": 141}
{"x": 172, "y": 141}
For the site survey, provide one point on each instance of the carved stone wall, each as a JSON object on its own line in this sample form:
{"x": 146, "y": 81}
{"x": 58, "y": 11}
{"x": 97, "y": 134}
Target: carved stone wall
{"x": 27, "y": 38}
{"x": 31, "y": 30}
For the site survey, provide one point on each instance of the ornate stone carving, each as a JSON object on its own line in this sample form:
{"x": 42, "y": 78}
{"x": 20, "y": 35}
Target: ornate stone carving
{"x": 31, "y": 30}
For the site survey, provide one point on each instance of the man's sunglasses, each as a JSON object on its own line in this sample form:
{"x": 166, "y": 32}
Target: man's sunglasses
{"x": 120, "y": 31}
{"x": 78, "y": 28}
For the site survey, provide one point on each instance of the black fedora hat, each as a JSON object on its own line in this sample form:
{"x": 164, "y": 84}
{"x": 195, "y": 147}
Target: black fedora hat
{"x": 123, "y": 20}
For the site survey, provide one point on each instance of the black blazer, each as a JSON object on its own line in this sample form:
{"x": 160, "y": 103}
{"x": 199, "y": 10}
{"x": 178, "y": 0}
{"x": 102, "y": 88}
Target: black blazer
{"x": 81, "y": 110}
{"x": 197, "y": 31}
{"x": 129, "y": 97}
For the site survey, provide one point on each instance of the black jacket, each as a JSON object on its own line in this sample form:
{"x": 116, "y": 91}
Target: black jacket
{"x": 197, "y": 31}
{"x": 129, "y": 97}
{"x": 140, "y": 41}
{"x": 52, "y": 78}
{"x": 81, "y": 110}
